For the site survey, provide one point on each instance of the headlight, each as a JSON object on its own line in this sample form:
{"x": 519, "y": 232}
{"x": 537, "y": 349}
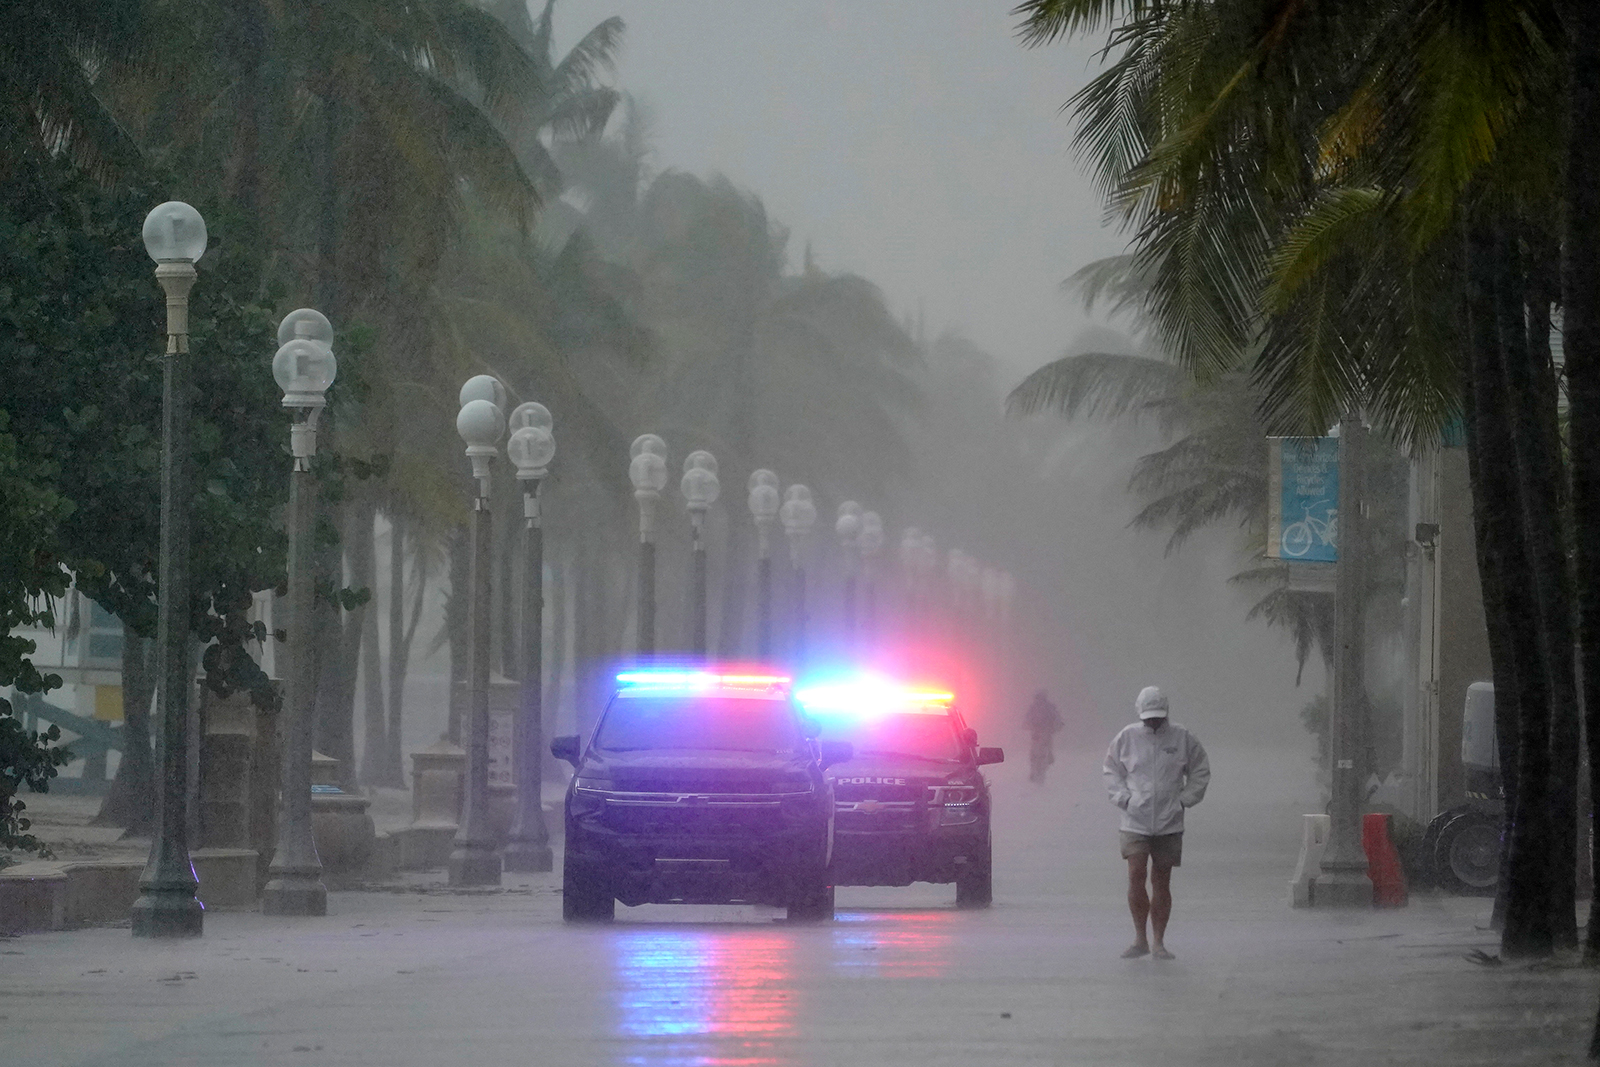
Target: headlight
{"x": 957, "y": 796}
{"x": 595, "y": 785}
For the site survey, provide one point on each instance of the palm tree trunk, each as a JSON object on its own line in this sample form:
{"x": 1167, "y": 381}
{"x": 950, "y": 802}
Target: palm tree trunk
{"x": 341, "y": 659}
{"x": 555, "y": 674}
{"x": 1530, "y": 394}
{"x": 1580, "y": 302}
{"x": 375, "y": 744}
{"x": 455, "y": 622}
{"x": 131, "y": 801}
{"x": 1497, "y": 517}
{"x": 1502, "y": 654}
{"x": 400, "y": 637}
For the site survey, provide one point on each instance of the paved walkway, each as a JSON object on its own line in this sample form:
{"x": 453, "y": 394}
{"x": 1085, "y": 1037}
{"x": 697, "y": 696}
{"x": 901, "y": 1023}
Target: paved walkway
{"x": 419, "y": 975}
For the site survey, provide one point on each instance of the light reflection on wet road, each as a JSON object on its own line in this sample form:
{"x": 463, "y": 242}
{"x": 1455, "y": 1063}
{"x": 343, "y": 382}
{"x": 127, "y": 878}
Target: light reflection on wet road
{"x": 727, "y": 996}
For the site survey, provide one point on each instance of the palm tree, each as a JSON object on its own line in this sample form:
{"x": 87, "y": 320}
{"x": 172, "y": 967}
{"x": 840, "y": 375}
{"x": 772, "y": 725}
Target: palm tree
{"x": 52, "y": 58}
{"x": 1297, "y": 177}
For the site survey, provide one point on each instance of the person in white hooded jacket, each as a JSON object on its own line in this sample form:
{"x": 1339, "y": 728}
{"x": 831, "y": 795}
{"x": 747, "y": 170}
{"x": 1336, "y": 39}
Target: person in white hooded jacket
{"x": 1154, "y": 770}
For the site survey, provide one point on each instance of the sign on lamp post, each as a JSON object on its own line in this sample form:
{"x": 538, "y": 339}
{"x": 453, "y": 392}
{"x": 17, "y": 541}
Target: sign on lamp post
{"x": 1303, "y": 499}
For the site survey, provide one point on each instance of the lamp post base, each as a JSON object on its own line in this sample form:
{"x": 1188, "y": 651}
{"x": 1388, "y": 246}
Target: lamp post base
{"x": 474, "y": 864}
{"x": 1342, "y": 887}
{"x": 529, "y": 857}
{"x": 167, "y": 913}
{"x": 295, "y": 895}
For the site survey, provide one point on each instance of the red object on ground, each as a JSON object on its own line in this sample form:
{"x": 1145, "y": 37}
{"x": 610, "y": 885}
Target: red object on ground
{"x": 1383, "y": 862}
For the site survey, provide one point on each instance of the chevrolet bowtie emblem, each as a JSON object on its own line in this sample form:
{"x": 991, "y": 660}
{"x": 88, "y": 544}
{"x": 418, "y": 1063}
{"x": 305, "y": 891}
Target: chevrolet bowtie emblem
{"x": 869, "y": 806}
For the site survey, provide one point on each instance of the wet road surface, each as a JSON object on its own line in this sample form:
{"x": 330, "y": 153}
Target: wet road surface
{"x": 901, "y": 977}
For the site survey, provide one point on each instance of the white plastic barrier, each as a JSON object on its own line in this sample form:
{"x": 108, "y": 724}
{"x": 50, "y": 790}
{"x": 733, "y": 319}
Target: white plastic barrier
{"x": 1313, "y": 840}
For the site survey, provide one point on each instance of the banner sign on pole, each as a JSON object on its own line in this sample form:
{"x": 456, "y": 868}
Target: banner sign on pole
{"x": 1303, "y": 499}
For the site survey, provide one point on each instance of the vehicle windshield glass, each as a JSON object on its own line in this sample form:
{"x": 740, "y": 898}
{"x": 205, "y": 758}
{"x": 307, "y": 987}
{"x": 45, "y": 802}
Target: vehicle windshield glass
{"x": 733, "y": 724}
{"x": 924, "y": 736}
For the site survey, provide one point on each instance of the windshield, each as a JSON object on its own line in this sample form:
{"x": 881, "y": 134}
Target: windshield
{"x": 924, "y": 736}
{"x": 734, "y": 724}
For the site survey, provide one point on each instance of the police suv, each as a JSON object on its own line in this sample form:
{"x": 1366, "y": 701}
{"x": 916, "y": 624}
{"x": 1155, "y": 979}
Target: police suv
{"x": 699, "y": 787}
{"x": 910, "y": 804}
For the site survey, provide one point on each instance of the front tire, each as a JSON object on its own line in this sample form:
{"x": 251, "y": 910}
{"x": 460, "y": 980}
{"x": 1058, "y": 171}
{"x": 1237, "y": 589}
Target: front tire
{"x": 585, "y": 895}
{"x": 813, "y": 903}
{"x": 1466, "y": 855}
{"x": 975, "y": 884}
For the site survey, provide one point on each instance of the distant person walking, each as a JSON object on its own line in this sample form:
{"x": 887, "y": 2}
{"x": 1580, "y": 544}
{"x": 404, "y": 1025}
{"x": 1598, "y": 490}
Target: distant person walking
{"x": 1044, "y": 722}
{"x": 1154, "y": 770}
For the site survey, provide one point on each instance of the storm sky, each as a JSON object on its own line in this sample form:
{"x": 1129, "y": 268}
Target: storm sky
{"x": 918, "y": 144}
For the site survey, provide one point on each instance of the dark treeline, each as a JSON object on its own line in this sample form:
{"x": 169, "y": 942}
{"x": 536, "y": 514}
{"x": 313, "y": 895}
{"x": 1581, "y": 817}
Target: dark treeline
{"x": 458, "y": 198}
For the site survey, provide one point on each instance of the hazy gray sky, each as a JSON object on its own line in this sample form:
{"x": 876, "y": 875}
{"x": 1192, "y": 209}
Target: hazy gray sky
{"x": 912, "y": 141}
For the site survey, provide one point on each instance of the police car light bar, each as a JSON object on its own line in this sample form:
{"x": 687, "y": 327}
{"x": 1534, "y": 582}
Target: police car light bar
{"x": 699, "y": 681}
{"x": 871, "y": 696}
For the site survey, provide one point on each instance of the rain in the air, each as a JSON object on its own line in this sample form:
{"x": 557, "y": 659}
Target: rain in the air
{"x": 798, "y": 533}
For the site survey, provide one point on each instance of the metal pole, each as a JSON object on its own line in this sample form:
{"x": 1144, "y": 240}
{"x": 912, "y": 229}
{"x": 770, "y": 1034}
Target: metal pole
{"x": 295, "y": 886}
{"x": 799, "y": 614}
{"x": 167, "y": 906}
{"x": 700, "y": 638}
{"x": 868, "y": 600}
{"x": 764, "y": 607}
{"x": 529, "y": 847}
{"x": 849, "y": 602}
{"x": 647, "y": 576}
{"x": 1344, "y": 880}
{"x": 474, "y": 860}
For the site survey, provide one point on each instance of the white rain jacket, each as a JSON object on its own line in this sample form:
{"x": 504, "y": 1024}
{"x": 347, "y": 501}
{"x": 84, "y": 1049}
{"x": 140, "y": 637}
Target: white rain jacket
{"x": 1152, "y": 775}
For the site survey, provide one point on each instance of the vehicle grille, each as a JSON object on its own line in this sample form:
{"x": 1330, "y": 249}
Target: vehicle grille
{"x": 873, "y": 816}
{"x": 693, "y": 783}
{"x": 694, "y": 819}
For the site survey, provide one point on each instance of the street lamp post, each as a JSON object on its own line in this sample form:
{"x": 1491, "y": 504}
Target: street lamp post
{"x": 700, "y": 490}
{"x": 870, "y": 543}
{"x": 175, "y": 237}
{"x": 848, "y": 527}
{"x": 304, "y": 368}
{"x": 1344, "y": 880}
{"x": 798, "y": 515}
{"x": 531, "y": 447}
{"x": 910, "y": 548}
{"x": 764, "y": 506}
{"x": 480, "y": 423}
{"x": 647, "y": 469}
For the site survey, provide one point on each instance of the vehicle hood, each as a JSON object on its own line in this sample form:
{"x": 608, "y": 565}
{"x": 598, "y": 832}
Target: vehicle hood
{"x": 672, "y": 770}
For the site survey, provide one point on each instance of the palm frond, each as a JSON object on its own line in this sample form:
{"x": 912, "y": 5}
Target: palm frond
{"x": 1097, "y": 385}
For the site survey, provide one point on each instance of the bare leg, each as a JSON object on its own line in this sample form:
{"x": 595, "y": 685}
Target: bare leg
{"x": 1160, "y": 908}
{"x": 1139, "y": 906}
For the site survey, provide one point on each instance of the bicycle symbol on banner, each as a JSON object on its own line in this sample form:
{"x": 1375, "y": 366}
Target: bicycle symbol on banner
{"x": 1299, "y": 537}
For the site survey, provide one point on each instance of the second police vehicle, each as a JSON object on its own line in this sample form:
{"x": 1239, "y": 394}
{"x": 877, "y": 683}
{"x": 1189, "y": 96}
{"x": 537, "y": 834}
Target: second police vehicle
{"x": 911, "y": 803}
{"x": 699, "y": 787}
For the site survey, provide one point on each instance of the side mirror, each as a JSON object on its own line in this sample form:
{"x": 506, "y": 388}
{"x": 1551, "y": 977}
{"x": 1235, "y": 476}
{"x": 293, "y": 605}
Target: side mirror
{"x": 810, "y": 728}
{"x": 987, "y": 756}
{"x": 566, "y": 748}
{"x": 836, "y": 752}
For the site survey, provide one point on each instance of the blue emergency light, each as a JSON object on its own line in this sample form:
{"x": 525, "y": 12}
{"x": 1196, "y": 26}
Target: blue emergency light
{"x": 681, "y": 681}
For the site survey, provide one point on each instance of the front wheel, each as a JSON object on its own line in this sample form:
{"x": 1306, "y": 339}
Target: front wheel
{"x": 813, "y": 903}
{"x": 975, "y": 883}
{"x": 1466, "y": 854}
{"x": 585, "y": 896}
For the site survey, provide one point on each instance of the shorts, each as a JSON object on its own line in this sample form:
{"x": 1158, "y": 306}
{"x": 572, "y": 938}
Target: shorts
{"x": 1165, "y": 849}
